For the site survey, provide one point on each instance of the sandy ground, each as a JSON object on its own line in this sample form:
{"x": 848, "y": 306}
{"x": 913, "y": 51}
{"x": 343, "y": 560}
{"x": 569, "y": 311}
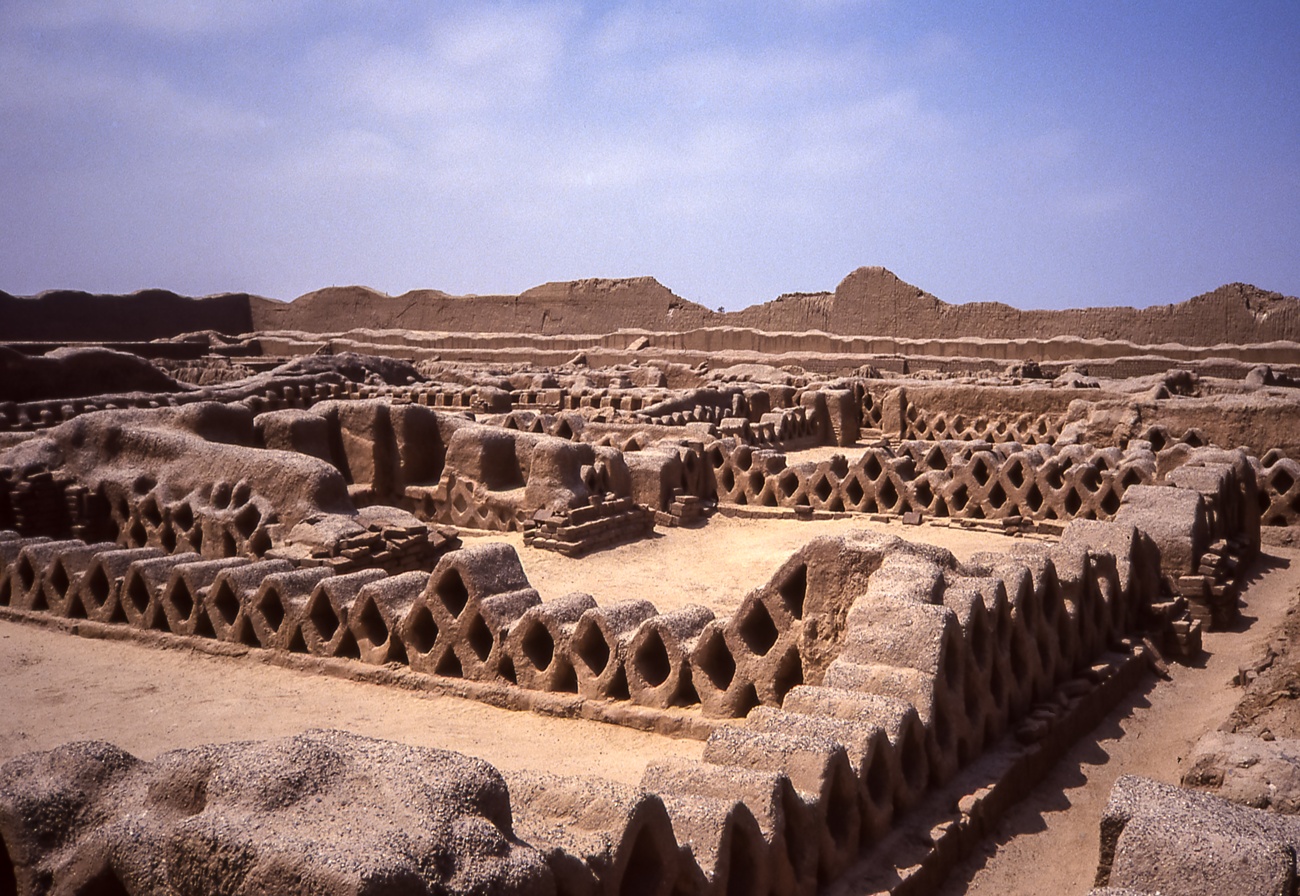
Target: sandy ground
{"x": 60, "y": 687}
{"x": 714, "y": 565}
{"x": 1049, "y": 842}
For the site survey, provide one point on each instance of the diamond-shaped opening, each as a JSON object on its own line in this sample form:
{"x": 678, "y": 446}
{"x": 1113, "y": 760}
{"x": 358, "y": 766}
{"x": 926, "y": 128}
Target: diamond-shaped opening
{"x": 459, "y": 503}
{"x": 997, "y": 497}
{"x": 183, "y": 517}
{"x": 565, "y": 680}
{"x": 789, "y": 674}
{"x": 1157, "y": 436}
{"x": 181, "y": 599}
{"x": 757, "y": 629}
{"x": 272, "y": 609}
{"x": 922, "y": 493}
{"x": 1194, "y": 438}
{"x": 590, "y": 646}
{"x": 794, "y": 590}
{"x": 935, "y": 460}
{"x": 788, "y": 483}
{"x": 979, "y": 471}
{"x": 1110, "y": 503}
{"x": 716, "y": 661}
{"x": 1130, "y": 478}
{"x": 743, "y": 458}
{"x": 1281, "y": 480}
{"x": 1034, "y": 498}
{"x": 421, "y": 630}
{"x": 887, "y": 495}
{"x": 872, "y": 467}
{"x": 768, "y": 497}
{"x": 452, "y": 592}
{"x": 97, "y": 586}
{"x": 853, "y": 491}
{"x": 1090, "y": 478}
{"x": 538, "y": 646}
{"x": 1072, "y": 502}
{"x": 651, "y": 659}
{"x": 150, "y": 512}
{"x": 259, "y": 543}
{"x": 229, "y": 547}
{"x": 58, "y": 579}
{"x": 940, "y": 426}
{"x": 137, "y": 592}
{"x": 823, "y": 489}
{"x": 716, "y": 458}
{"x": 167, "y": 536}
{"x": 321, "y": 616}
{"x": 479, "y": 638}
{"x": 726, "y": 479}
{"x": 347, "y": 648}
{"x": 26, "y": 573}
{"x": 1052, "y": 475}
{"x": 449, "y": 665}
{"x": 1015, "y": 473}
{"x": 371, "y": 625}
{"x": 506, "y": 669}
{"x": 958, "y": 498}
{"x": 224, "y": 601}
{"x": 247, "y": 519}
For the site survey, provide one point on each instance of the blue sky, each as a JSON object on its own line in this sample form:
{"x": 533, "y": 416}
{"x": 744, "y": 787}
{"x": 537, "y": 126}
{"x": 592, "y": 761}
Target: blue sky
{"x": 1042, "y": 154}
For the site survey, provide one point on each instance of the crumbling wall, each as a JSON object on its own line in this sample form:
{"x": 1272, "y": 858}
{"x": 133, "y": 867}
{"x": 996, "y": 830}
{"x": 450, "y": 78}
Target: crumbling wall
{"x": 274, "y": 816}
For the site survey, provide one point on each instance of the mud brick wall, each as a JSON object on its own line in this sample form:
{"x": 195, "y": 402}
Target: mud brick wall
{"x": 1030, "y": 416}
{"x": 867, "y": 670}
{"x": 958, "y": 479}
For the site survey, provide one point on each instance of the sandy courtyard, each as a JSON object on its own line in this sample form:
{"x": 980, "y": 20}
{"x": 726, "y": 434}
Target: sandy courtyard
{"x": 714, "y": 565}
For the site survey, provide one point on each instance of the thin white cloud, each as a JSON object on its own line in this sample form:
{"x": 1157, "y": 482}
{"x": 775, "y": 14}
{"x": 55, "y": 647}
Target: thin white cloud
{"x": 134, "y": 102}
{"x": 489, "y": 60}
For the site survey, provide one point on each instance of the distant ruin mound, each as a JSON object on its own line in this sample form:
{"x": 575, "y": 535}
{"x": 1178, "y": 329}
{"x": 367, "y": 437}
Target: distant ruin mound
{"x": 870, "y": 301}
{"x": 72, "y": 316}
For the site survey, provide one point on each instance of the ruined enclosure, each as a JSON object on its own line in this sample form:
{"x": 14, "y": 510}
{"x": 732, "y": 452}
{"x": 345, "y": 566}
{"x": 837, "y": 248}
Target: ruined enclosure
{"x": 873, "y": 594}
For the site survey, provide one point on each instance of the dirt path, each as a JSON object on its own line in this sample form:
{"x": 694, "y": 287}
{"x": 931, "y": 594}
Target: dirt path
{"x": 1048, "y": 843}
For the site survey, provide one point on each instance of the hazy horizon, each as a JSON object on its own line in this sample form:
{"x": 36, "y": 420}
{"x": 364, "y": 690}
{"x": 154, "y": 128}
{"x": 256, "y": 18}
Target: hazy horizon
{"x": 668, "y": 286}
{"x": 1113, "y": 154}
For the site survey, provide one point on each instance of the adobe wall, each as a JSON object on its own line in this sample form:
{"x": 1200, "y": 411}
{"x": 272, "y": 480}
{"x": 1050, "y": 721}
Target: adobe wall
{"x": 869, "y": 301}
{"x": 71, "y": 316}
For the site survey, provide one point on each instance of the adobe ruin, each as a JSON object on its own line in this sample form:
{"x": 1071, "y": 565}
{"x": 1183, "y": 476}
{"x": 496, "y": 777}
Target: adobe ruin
{"x": 361, "y": 486}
